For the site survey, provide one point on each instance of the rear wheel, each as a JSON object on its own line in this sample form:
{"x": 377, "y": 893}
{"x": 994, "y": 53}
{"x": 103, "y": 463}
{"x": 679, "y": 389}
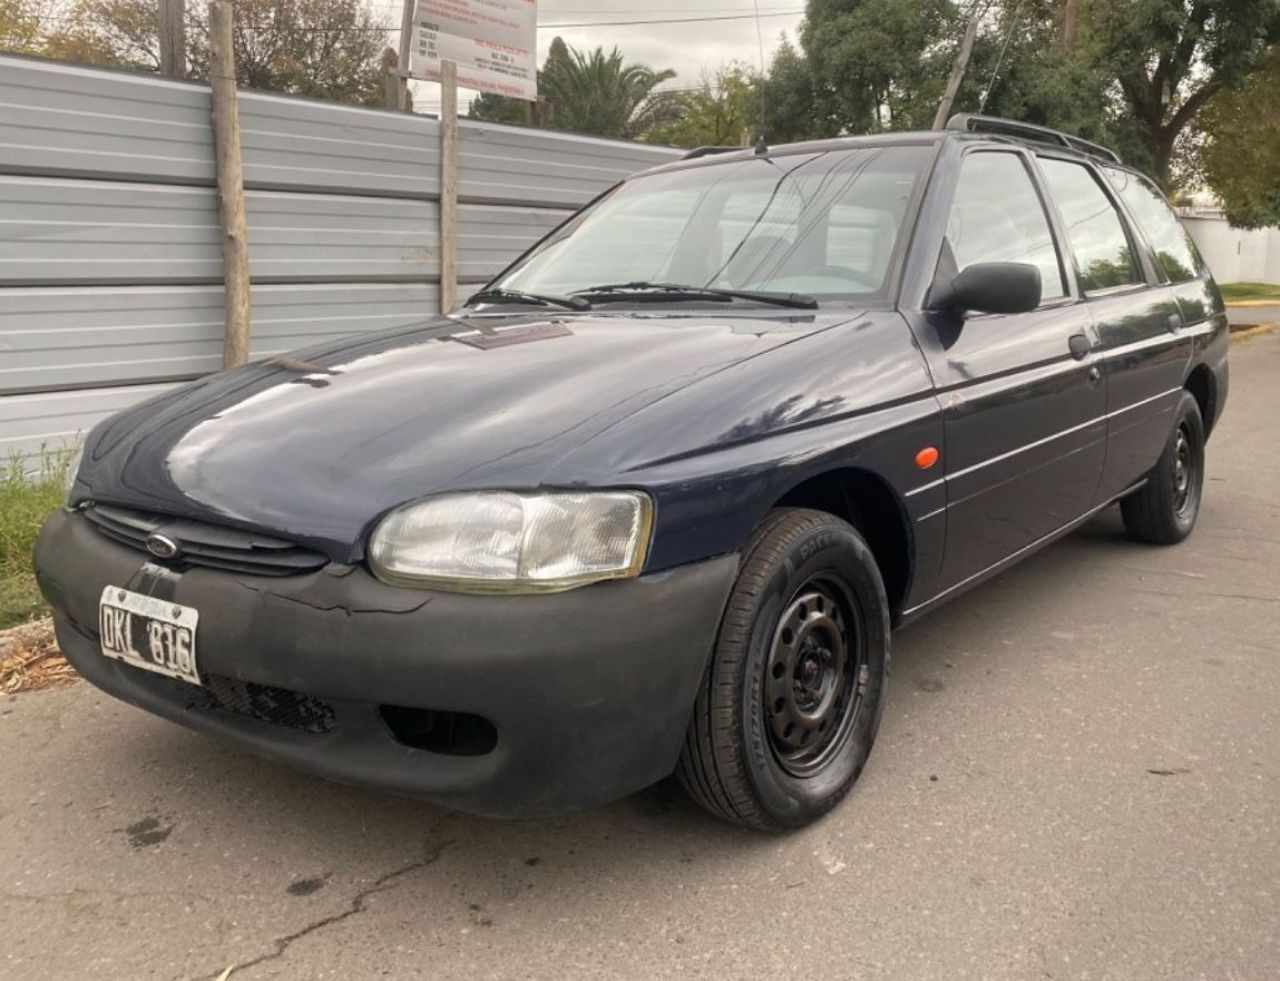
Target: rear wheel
{"x": 1164, "y": 510}
{"x": 791, "y": 701}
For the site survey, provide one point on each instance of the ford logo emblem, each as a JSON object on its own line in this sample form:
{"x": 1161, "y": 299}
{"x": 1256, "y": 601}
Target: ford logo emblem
{"x": 161, "y": 546}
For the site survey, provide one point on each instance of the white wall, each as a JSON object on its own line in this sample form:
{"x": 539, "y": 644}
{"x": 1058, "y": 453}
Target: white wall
{"x": 1236, "y": 255}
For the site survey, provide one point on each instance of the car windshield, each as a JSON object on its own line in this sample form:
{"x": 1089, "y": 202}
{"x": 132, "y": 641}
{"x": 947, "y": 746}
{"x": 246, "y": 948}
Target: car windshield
{"x": 825, "y": 225}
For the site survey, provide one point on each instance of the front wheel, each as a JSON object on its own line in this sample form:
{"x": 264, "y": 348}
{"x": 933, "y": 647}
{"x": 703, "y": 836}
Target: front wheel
{"x": 791, "y": 701}
{"x": 1164, "y": 510}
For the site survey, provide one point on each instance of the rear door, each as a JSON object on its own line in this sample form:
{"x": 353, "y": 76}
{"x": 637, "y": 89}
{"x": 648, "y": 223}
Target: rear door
{"x": 1135, "y": 314}
{"x": 1023, "y": 401}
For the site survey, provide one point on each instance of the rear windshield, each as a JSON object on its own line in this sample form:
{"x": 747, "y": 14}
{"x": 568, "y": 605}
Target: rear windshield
{"x": 825, "y": 224}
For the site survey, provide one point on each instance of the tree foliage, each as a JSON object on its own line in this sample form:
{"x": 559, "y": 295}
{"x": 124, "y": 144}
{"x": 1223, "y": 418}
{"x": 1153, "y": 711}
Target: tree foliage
{"x": 20, "y": 26}
{"x": 591, "y": 92}
{"x": 327, "y": 49}
{"x": 722, "y": 112}
{"x": 879, "y": 64}
{"x": 113, "y": 33}
{"x": 1170, "y": 57}
{"x": 1134, "y": 73}
{"x": 1242, "y": 151}
{"x": 794, "y": 109}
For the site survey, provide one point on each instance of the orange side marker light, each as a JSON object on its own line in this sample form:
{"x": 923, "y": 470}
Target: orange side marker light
{"x": 927, "y": 457}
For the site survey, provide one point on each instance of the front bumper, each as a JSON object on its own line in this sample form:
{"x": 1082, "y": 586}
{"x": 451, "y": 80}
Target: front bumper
{"x": 590, "y": 691}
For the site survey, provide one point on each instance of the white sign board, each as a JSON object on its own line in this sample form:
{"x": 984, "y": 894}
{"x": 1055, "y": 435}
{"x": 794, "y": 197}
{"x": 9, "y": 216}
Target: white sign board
{"x": 494, "y": 43}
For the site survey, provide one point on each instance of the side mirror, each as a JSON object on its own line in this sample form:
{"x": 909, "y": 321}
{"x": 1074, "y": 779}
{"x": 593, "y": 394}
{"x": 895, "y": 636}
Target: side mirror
{"x": 989, "y": 287}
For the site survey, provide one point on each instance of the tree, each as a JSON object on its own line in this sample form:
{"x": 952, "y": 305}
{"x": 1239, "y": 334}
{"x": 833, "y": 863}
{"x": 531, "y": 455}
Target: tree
{"x": 1242, "y": 151}
{"x": 795, "y": 108}
{"x": 115, "y": 33}
{"x": 1022, "y": 71}
{"x": 880, "y": 64}
{"x": 1134, "y": 74}
{"x": 493, "y": 108}
{"x": 20, "y": 26}
{"x": 592, "y": 92}
{"x": 603, "y": 94}
{"x": 327, "y": 49}
{"x": 720, "y": 113}
{"x": 1171, "y": 57}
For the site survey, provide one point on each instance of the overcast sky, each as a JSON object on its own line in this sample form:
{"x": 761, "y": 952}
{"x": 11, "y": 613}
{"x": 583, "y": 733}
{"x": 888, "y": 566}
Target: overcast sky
{"x": 687, "y": 47}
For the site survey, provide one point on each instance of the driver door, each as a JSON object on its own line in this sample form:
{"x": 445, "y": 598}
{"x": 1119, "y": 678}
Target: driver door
{"x": 1024, "y": 400}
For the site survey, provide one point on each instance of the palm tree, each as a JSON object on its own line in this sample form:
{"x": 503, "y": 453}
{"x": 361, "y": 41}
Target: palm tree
{"x": 601, "y": 94}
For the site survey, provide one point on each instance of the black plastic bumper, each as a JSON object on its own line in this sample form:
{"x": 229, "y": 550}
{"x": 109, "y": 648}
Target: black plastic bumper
{"x": 590, "y": 691}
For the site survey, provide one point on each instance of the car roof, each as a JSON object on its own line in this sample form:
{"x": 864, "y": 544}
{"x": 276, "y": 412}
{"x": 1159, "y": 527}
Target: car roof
{"x": 962, "y": 128}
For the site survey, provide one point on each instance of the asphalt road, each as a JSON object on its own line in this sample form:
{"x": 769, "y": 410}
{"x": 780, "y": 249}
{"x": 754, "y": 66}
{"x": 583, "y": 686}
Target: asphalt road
{"x": 1078, "y": 777}
{"x": 1252, "y": 316}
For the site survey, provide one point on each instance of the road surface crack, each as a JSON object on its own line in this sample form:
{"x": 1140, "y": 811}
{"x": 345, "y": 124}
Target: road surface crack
{"x": 1204, "y": 595}
{"x": 359, "y": 903}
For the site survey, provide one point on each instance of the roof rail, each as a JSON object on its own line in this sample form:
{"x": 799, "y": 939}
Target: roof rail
{"x": 708, "y": 151}
{"x": 966, "y": 122}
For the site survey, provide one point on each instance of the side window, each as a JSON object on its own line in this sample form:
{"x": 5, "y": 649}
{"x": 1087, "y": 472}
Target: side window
{"x": 1173, "y": 246}
{"x": 997, "y": 217}
{"x": 1094, "y": 227}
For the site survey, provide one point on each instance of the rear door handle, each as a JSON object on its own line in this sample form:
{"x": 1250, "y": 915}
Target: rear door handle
{"x": 1080, "y": 346}
{"x": 1174, "y": 320}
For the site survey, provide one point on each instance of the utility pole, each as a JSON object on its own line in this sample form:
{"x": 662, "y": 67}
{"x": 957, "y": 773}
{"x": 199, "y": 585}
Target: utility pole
{"x": 173, "y": 38}
{"x": 959, "y": 68}
{"x": 1070, "y": 22}
{"x": 406, "y": 50}
{"x": 230, "y": 168}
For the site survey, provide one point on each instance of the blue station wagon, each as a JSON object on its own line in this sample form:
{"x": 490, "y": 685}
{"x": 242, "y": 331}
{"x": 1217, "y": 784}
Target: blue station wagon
{"x": 655, "y": 499}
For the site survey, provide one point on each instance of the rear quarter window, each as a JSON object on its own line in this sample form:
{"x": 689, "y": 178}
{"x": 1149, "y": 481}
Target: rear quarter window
{"x": 1172, "y": 243}
{"x": 1094, "y": 227}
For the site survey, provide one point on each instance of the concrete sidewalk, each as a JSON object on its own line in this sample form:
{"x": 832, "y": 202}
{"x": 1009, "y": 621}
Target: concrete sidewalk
{"x": 1078, "y": 777}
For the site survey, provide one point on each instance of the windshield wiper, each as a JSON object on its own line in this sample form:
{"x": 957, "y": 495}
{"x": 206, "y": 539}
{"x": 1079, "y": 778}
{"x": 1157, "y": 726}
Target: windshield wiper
{"x": 667, "y": 292}
{"x": 498, "y": 295}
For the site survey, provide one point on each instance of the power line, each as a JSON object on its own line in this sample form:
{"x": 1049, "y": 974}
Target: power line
{"x": 671, "y": 20}
{"x": 542, "y": 27}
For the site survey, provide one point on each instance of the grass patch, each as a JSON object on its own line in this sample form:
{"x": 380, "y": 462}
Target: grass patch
{"x": 26, "y": 499}
{"x": 1250, "y": 291}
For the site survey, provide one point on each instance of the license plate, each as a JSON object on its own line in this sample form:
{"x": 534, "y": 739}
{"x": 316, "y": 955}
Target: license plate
{"x": 149, "y": 633}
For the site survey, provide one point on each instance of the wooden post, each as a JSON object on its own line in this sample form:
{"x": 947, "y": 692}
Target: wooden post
{"x": 230, "y": 168}
{"x": 406, "y": 51}
{"x": 391, "y": 78}
{"x": 173, "y": 38}
{"x": 959, "y": 68}
{"x": 448, "y": 186}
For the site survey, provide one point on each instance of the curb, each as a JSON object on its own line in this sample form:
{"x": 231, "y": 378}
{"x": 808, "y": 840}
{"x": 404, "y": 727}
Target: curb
{"x": 1247, "y": 332}
{"x": 1246, "y": 304}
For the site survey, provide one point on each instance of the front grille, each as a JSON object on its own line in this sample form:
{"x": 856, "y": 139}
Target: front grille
{"x": 204, "y": 544}
{"x": 265, "y": 703}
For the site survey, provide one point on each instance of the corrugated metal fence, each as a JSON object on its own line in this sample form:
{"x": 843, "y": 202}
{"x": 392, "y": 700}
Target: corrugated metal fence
{"x": 110, "y": 267}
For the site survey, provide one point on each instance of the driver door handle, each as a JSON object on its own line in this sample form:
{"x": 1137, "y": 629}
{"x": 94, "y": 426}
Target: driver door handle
{"x": 1080, "y": 346}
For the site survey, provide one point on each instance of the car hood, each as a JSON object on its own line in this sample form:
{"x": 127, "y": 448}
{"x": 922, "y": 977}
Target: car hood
{"x": 318, "y": 444}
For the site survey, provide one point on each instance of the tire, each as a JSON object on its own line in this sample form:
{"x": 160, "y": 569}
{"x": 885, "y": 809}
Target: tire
{"x": 1164, "y": 510}
{"x": 804, "y": 643}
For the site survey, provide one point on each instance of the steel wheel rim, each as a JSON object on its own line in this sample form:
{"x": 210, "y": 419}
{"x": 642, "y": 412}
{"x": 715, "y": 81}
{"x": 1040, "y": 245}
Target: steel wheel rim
{"x": 814, "y": 676}
{"x": 1183, "y": 471}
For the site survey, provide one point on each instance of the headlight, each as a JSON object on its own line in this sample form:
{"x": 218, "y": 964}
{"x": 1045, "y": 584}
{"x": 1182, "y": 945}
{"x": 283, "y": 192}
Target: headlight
{"x": 501, "y": 541}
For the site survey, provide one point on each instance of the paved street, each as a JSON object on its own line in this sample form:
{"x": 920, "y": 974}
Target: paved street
{"x": 1252, "y": 316}
{"x": 1078, "y": 777}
